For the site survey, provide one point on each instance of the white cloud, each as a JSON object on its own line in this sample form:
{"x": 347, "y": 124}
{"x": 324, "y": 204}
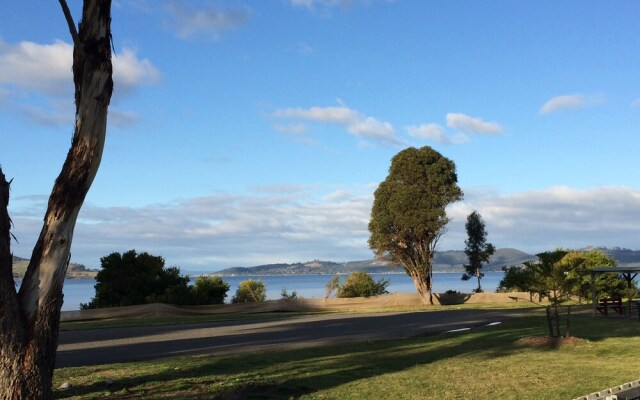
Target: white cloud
{"x": 355, "y": 123}
{"x": 556, "y": 217}
{"x": 36, "y": 80}
{"x": 130, "y": 72}
{"x": 221, "y": 231}
{"x": 189, "y": 22}
{"x": 42, "y": 67}
{"x": 338, "y": 195}
{"x": 322, "y": 3}
{"x": 436, "y": 133}
{"x": 469, "y": 124}
{"x": 570, "y": 102}
{"x": 293, "y": 223}
{"x": 328, "y": 4}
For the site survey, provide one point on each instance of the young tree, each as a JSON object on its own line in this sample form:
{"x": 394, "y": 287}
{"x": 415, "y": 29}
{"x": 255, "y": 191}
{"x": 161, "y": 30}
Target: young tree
{"x": 332, "y": 286}
{"x": 408, "y": 215}
{"x": 250, "y": 291}
{"x": 30, "y": 318}
{"x": 562, "y": 273}
{"x": 361, "y": 284}
{"x": 210, "y": 290}
{"x": 478, "y": 250}
{"x": 605, "y": 285}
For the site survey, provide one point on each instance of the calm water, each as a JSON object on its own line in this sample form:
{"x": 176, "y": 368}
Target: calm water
{"x": 78, "y": 291}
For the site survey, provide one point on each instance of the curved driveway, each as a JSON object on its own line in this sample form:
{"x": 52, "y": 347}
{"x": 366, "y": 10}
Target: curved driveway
{"x": 113, "y": 345}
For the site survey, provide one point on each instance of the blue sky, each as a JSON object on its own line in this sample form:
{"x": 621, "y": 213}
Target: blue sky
{"x": 251, "y": 132}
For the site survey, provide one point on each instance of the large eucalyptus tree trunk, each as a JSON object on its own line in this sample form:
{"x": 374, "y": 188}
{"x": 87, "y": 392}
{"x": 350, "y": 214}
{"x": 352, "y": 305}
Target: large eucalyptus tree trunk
{"x": 29, "y": 319}
{"x": 422, "y": 280}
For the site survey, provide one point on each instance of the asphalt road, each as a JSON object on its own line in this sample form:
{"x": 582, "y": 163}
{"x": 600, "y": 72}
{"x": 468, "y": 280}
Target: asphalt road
{"x": 114, "y": 345}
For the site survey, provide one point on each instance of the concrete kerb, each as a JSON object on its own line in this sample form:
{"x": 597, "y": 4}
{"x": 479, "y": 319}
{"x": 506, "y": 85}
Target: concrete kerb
{"x": 626, "y": 391}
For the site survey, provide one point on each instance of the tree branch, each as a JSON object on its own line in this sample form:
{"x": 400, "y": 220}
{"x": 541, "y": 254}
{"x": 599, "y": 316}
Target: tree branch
{"x": 72, "y": 25}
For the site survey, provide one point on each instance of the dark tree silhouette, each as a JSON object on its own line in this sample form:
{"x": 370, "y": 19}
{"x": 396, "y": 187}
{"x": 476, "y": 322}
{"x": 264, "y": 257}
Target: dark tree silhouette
{"x": 477, "y": 249}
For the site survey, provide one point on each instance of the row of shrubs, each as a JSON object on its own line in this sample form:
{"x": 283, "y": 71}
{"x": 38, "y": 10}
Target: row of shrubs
{"x": 130, "y": 279}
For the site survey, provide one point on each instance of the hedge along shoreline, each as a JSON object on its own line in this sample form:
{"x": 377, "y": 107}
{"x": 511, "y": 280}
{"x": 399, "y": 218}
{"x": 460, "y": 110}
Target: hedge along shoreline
{"x": 291, "y": 305}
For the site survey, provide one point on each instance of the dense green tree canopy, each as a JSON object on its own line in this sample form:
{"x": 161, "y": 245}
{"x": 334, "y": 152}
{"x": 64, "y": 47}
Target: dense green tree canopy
{"x": 130, "y": 278}
{"x": 133, "y": 278}
{"x": 563, "y": 273}
{"x": 408, "y": 215}
{"x": 209, "y": 290}
{"x": 361, "y": 284}
{"x": 250, "y": 291}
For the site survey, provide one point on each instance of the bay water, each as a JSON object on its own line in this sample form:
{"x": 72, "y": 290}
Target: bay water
{"x": 78, "y": 291}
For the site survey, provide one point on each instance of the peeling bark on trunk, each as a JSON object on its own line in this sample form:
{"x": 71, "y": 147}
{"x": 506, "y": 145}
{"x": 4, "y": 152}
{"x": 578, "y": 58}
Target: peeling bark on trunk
{"x": 423, "y": 286}
{"x": 422, "y": 280}
{"x": 29, "y": 319}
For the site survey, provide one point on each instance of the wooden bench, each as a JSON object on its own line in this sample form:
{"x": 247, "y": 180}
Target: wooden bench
{"x": 604, "y": 305}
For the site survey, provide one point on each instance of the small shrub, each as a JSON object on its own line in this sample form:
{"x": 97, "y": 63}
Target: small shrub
{"x": 284, "y": 295}
{"x": 250, "y": 291}
{"x": 332, "y": 286}
{"x": 450, "y": 291}
{"x": 209, "y": 290}
{"x": 361, "y": 284}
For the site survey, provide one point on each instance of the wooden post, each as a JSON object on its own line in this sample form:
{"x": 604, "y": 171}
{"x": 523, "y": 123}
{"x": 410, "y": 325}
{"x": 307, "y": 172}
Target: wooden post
{"x": 594, "y": 300}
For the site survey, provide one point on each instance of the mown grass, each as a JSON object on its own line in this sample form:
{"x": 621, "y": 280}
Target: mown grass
{"x": 486, "y": 363}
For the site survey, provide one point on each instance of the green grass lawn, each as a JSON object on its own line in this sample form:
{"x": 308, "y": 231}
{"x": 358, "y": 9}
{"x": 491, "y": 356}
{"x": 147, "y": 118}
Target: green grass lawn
{"x": 486, "y": 363}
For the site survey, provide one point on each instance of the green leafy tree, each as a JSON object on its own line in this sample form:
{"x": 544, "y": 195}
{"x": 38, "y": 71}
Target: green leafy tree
{"x": 552, "y": 276}
{"x": 332, "y": 286}
{"x": 408, "y": 215}
{"x": 566, "y": 270}
{"x": 209, "y": 290}
{"x": 250, "y": 291}
{"x": 561, "y": 274}
{"x": 477, "y": 249}
{"x": 552, "y": 280}
{"x": 579, "y": 263}
{"x": 361, "y": 284}
{"x": 130, "y": 278}
{"x": 518, "y": 278}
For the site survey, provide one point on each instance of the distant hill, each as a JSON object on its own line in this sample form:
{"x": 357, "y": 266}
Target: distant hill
{"x": 625, "y": 257}
{"x": 74, "y": 271}
{"x": 445, "y": 261}
{"x": 454, "y": 260}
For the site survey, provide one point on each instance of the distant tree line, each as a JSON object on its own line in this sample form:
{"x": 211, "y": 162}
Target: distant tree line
{"x": 561, "y": 274}
{"x": 132, "y": 278}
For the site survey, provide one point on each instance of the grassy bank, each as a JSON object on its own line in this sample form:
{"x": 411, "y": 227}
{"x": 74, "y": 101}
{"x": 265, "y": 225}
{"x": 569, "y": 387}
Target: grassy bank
{"x": 487, "y": 363}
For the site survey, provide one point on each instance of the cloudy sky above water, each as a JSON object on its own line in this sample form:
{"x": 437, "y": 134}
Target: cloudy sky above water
{"x": 251, "y": 132}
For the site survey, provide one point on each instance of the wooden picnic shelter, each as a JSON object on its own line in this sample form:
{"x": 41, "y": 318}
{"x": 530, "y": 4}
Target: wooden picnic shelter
{"x": 628, "y": 273}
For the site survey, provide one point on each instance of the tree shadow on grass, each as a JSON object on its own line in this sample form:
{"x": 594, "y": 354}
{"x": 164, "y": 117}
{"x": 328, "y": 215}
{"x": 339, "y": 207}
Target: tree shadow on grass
{"x": 294, "y": 373}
